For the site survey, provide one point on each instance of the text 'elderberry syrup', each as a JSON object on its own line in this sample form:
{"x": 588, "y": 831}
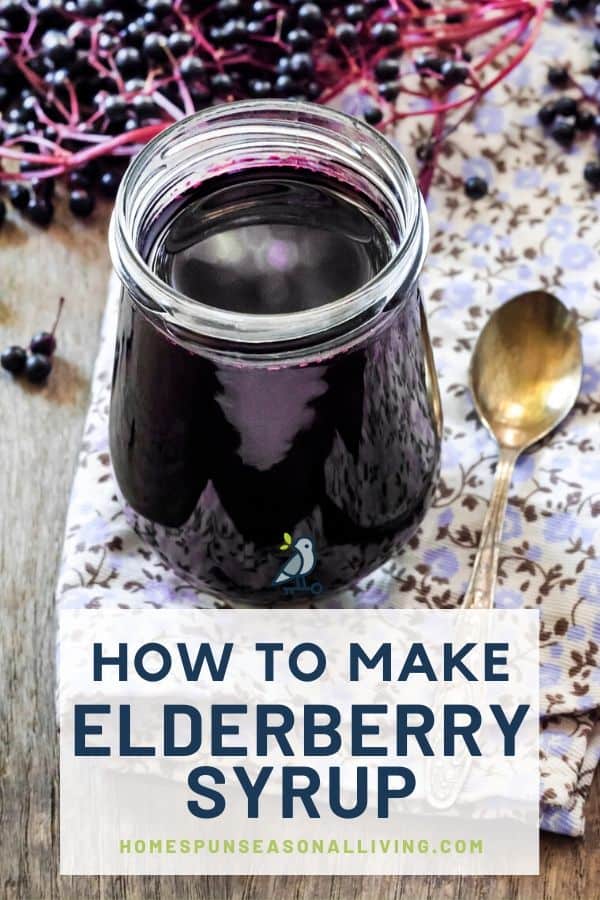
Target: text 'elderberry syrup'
{"x": 220, "y": 451}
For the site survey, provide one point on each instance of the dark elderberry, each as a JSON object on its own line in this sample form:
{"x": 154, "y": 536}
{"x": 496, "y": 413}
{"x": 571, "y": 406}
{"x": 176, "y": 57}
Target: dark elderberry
{"x": 346, "y": 34}
{"x": 310, "y": 16}
{"x": 229, "y": 7}
{"x": 200, "y": 96}
{"x": 115, "y": 108}
{"x": 154, "y": 47}
{"x": 14, "y": 130}
{"x": 129, "y": 62}
{"x": 221, "y": 83}
{"x": 108, "y": 41}
{"x": 43, "y": 187}
{"x": 565, "y": 106}
{"x": 57, "y": 48}
{"x": 262, "y": 8}
{"x": 584, "y": 120}
{"x": 144, "y": 107}
{"x": 453, "y": 73}
{"x": 563, "y": 130}
{"x": 81, "y": 202}
{"x": 80, "y": 36}
{"x": 160, "y": 8}
{"x": 43, "y": 342}
{"x": 135, "y": 33}
{"x": 179, "y": 42}
{"x": 7, "y": 66}
{"x": 387, "y": 69}
{"x": 259, "y": 87}
{"x": 29, "y": 108}
{"x": 594, "y": 68}
{"x": 299, "y": 39}
{"x": 15, "y": 14}
{"x": 234, "y": 30}
{"x": 561, "y": 8}
{"x": 58, "y": 79}
{"x": 547, "y": 114}
{"x": 13, "y": 359}
{"x": 134, "y": 85}
{"x": 284, "y": 85}
{"x": 37, "y": 368}
{"x": 90, "y": 8}
{"x": 15, "y": 115}
{"x": 40, "y": 210}
{"x": 389, "y": 90}
{"x": 191, "y": 67}
{"x": 109, "y": 184}
{"x": 18, "y": 195}
{"x": 475, "y": 187}
{"x": 372, "y": 113}
{"x": 355, "y": 12}
{"x": 149, "y": 21}
{"x": 113, "y": 20}
{"x": 171, "y": 91}
{"x": 425, "y": 64}
{"x": 50, "y": 13}
{"x": 591, "y": 173}
{"x": 558, "y": 76}
{"x": 384, "y": 33}
{"x": 424, "y": 153}
{"x": 301, "y": 64}
{"x": 79, "y": 179}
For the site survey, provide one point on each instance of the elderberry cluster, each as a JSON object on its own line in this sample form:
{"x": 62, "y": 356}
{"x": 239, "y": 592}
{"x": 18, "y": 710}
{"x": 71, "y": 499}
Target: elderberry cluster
{"x": 83, "y": 83}
{"x": 565, "y": 117}
{"x": 35, "y": 362}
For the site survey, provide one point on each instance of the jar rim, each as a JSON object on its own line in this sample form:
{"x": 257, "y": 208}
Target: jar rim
{"x": 158, "y": 298}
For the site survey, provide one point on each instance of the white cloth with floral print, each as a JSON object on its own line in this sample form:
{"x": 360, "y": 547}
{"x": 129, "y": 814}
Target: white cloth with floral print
{"x": 538, "y": 226}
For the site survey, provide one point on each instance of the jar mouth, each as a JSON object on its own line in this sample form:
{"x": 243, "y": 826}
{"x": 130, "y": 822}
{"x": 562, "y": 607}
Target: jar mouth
{"x": 252, "y": 135}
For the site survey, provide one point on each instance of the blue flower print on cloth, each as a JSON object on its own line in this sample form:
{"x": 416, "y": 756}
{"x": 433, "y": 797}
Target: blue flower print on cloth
{"x": 538, "y": 226}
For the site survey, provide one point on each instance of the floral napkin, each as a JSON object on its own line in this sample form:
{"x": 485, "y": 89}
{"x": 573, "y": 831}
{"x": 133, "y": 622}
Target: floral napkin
{"x": 537, "y": 227}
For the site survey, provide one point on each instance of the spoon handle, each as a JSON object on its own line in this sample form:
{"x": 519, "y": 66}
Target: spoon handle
{"x": 480, "y": 592}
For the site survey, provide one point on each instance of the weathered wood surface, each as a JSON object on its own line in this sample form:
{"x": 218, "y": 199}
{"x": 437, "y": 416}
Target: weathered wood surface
{"x": 39, "y": 437}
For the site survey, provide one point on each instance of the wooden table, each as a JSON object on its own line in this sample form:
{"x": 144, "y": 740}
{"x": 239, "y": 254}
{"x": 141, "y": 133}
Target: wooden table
{"x": 40, "y": 431}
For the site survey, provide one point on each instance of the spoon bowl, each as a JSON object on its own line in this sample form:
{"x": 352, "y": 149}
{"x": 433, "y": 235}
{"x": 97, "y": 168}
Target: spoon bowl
{"x": 526, "y": 368}
{"x": 525, "y": 375}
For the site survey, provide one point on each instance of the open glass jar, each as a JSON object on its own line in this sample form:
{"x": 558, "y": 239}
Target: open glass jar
{"x": 277, "y": 454}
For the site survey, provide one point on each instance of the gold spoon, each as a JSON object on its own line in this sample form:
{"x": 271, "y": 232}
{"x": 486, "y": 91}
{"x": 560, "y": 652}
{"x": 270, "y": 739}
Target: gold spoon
{"x": 525, "y": 376}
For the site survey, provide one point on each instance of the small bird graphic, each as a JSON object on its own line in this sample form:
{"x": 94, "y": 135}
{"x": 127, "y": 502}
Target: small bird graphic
{"x": 301, "y": 562}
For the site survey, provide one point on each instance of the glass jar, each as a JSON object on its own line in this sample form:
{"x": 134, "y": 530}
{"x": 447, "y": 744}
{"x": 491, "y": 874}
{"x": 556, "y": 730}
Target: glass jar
{"x": 283, "y": 455}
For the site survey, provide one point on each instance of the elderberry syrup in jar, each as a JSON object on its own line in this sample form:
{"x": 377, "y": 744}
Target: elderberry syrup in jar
{"x": 275, "y": 420}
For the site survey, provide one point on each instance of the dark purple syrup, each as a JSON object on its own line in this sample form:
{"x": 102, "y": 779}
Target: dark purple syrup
{"x": 274, "y": 243}
{"x": 218, "y": 457}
